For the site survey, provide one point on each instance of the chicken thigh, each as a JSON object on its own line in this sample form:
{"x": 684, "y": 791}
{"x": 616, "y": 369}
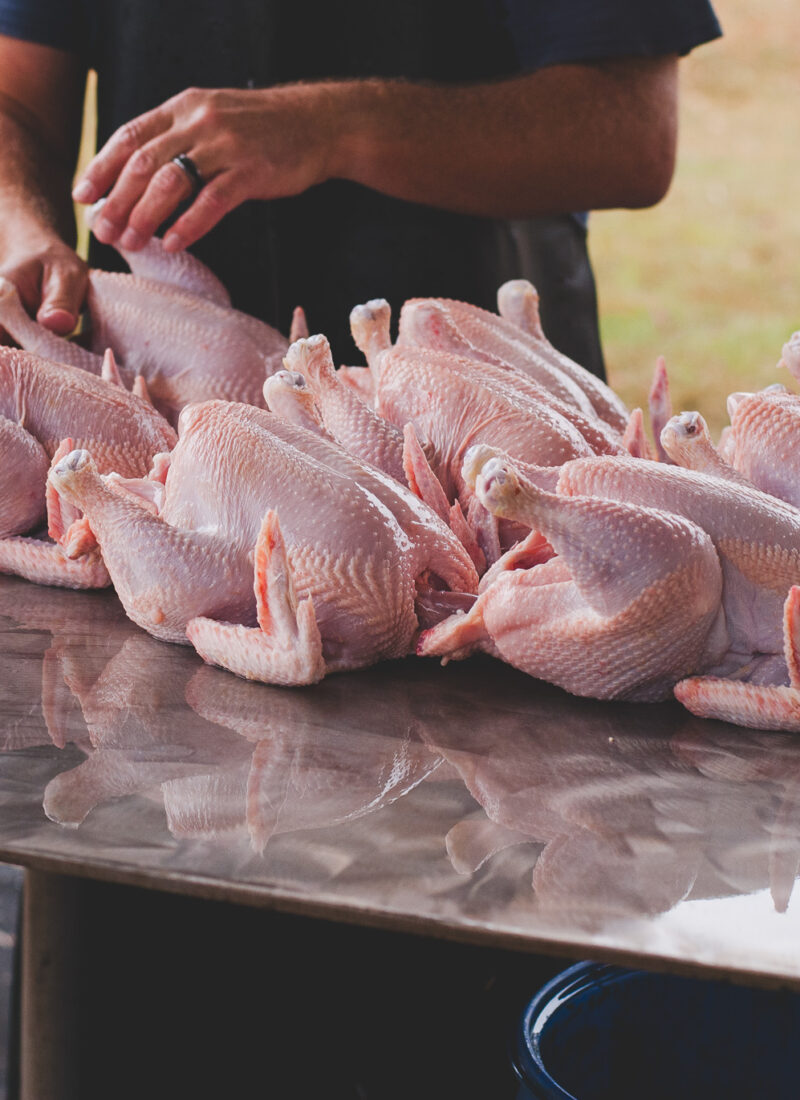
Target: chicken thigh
{"x": 757, "y": 536}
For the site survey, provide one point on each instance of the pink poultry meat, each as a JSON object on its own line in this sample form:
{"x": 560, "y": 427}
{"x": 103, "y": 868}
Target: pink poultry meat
{"x": 686, "y": 441}
{"x": 42, "y": 404}
{"x": 334, "y": 410}
{"x": 756, "y": 536}
{"x": 746, "y": 671}
{"x": 758, "y": 447}
{"x": 762, "y": 444}
{"x": 171, "y": 322}
{"x": 342, "y": 551}
{"x": 317, "y": 395}
{"x": 454, "y": 402}
{"x": 513, "y": 341}
{"x": 629, "y": 606}
{"x": 421, "y": 325}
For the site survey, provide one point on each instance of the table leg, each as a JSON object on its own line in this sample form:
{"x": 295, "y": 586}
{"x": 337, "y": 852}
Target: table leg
{"x": 50, "y": 971}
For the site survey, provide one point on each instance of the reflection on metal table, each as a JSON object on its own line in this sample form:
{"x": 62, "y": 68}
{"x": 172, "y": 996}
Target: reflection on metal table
{"x": 465, "y": 802}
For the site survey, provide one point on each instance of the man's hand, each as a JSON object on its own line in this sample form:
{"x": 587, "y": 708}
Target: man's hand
{"x": 41, "y": 94}
{"x": 248, "y": 144}
{"x": 50, "y": 276}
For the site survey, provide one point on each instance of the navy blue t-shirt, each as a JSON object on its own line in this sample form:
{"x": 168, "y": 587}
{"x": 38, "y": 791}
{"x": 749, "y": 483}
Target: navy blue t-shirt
{"x": 538, "y": 33}
{"x": 340, "y": 243}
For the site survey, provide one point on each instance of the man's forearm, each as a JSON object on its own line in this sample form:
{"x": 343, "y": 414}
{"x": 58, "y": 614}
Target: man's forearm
{"x": 37, "y": 222}
{"x": 34, "y": 182}
{"x": 570, "y": 137}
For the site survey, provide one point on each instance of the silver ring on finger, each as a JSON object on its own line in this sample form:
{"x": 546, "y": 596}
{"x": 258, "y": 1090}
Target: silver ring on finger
{"x": 191, "y": 171}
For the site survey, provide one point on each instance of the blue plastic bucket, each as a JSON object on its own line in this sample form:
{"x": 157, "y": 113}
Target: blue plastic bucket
{"x": 600, "y": 1032}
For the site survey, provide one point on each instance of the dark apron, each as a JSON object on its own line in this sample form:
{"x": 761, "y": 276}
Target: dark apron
{"x": 339, "y": 244}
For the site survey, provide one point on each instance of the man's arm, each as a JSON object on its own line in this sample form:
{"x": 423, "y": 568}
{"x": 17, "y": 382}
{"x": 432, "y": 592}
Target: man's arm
{"x": 567, "y": 137}
{"x": 41, "y": 98}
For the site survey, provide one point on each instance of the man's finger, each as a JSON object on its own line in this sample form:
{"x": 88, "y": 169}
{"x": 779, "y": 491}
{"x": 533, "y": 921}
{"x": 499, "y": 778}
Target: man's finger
{"x": 104, "y": 168}
{"x": 63, "y": 294}
{"x": 216, "y": 200}
{"x": 168, "y": 188}
{"x": 148, "y": 173}
{"x": 28, "y": 283}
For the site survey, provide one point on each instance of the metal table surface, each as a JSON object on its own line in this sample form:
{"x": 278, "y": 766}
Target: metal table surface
{"x": 466, "y": 802}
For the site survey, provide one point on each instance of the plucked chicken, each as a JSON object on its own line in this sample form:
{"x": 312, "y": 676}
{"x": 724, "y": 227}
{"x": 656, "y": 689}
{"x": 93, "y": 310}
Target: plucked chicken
{"x": 342, "y": 551}
{"x": 741, "y": 622}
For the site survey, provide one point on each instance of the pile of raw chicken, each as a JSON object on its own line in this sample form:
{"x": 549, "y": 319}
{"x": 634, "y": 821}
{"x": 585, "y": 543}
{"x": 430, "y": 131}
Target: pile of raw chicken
{"x": 469, "y": 489}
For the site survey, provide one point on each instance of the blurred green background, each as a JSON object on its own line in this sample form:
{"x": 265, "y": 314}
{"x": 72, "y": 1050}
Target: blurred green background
{"x": 709, "y": 278}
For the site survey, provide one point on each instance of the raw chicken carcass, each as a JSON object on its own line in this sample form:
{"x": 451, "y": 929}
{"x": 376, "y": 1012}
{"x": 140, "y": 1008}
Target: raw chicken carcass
{"x": 746, "y": 671}
{"x": 518, "y": 302}
{"x": 170, "y": 321}
{"x": 443, "y": 325}
{"x": 454, "y": 401}
{"x": 343, "y": 550}
{"x": 330, "y": 407}
{"x": 757, "y": 537}
{"x": 629, "y": 606}
{"x": 42, "y": 404}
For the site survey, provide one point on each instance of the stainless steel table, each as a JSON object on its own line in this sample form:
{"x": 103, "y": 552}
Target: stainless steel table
{"x": 464, "y": 803}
